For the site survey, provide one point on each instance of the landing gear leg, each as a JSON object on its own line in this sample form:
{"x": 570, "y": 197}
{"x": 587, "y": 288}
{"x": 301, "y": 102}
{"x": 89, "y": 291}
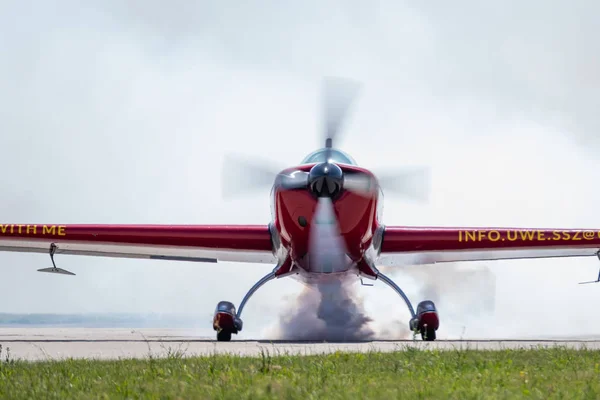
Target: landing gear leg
{"x": 425, "y": 320}
{"x": 226, "y": 320}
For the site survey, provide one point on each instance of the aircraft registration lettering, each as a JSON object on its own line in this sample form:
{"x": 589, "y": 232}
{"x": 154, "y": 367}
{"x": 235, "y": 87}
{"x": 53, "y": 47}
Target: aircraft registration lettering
{"x": 514, "y": 235}
{"x": 33, "y": 230}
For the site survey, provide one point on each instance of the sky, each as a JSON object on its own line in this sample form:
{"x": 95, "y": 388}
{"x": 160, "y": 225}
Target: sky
{"x": 123, "y": 112}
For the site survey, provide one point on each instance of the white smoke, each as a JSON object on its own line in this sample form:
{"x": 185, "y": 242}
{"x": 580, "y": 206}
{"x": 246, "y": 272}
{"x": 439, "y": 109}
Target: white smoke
{"x": 331, "y": 311}
{"x": 465, "y": 297}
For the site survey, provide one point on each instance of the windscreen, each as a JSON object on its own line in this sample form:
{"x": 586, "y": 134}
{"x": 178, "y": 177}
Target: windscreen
{"x": 337, "y": 156}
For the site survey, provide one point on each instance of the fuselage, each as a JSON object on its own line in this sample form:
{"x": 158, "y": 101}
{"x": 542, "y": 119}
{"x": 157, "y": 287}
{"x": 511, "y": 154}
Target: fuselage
{"x": 353, "y": 225}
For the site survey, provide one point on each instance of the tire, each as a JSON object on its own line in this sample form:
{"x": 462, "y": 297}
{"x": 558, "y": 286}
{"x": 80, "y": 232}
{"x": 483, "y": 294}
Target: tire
{"x": 223, "y": 336}
{"x": 428, "y": 334}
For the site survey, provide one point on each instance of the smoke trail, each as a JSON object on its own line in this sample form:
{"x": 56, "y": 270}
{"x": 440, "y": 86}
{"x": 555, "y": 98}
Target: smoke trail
{"x": 330, "y": 311}
{"x": 464, "y": 295}
{"x": 335, "y": 311}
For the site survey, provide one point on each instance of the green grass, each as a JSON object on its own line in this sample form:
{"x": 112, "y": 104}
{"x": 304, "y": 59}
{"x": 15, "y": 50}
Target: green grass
{"x": 409, "y": 374}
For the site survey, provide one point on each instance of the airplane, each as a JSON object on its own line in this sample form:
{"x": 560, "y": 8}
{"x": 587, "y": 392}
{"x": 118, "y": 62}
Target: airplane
{"x": 327, "y": 224}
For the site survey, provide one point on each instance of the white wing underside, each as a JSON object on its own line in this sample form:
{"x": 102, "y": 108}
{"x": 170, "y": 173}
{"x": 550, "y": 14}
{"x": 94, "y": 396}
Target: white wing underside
{"x": 174, "y": 253}
{"x": 434, "y": 257}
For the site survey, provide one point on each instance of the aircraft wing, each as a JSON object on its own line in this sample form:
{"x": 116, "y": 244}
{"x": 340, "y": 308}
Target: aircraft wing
{"x": 200, "y": 243}
{"x": 430, "y": 245}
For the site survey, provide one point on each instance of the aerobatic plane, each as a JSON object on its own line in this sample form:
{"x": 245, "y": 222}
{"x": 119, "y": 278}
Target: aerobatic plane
{"x": 327, "y": 223}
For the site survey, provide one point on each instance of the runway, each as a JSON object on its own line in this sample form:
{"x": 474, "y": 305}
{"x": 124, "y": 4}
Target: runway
{"x": 93, "y": 343}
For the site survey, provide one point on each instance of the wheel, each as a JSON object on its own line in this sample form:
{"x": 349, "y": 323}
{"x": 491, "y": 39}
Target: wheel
{"x": 223, "y": 336}
{"x": 428, "y": 333}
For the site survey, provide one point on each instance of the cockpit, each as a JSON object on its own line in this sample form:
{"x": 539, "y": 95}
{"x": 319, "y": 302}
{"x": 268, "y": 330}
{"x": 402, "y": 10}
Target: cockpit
{"x": 337, "y": 156}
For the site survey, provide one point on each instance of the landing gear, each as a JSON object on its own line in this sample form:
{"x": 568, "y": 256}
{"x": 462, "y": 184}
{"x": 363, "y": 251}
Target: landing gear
{"x": 226, "y": 320}
{"x": 425, "y": 320}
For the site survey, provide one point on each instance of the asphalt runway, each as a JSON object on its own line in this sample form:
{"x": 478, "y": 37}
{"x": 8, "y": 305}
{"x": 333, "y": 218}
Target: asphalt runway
{"x": 92, "y": 343}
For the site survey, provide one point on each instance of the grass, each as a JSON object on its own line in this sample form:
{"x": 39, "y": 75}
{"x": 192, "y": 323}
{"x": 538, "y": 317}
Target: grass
{"x": 412, "y": 373}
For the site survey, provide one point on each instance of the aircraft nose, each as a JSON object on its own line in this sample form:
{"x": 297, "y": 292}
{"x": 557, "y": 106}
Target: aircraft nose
{"x": 325, "y": 180}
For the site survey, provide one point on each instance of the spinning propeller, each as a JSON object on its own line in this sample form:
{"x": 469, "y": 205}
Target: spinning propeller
{"x": 325, "y": 179}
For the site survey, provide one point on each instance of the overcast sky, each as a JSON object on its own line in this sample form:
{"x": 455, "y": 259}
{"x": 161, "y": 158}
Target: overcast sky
{"x": 123, "y": 112}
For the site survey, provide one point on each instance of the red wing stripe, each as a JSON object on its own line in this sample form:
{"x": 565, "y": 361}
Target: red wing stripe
{"x": 431, "y": 239}
{"x": 232, "y": 237}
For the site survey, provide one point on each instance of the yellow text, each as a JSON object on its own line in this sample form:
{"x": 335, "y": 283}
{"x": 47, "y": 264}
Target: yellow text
{"x": 514, "y": 235}
{"x": 33, "y": 230}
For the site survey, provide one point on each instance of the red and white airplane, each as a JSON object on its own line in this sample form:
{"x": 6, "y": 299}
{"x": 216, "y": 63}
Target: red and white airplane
{"x": 326, "y": 224}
